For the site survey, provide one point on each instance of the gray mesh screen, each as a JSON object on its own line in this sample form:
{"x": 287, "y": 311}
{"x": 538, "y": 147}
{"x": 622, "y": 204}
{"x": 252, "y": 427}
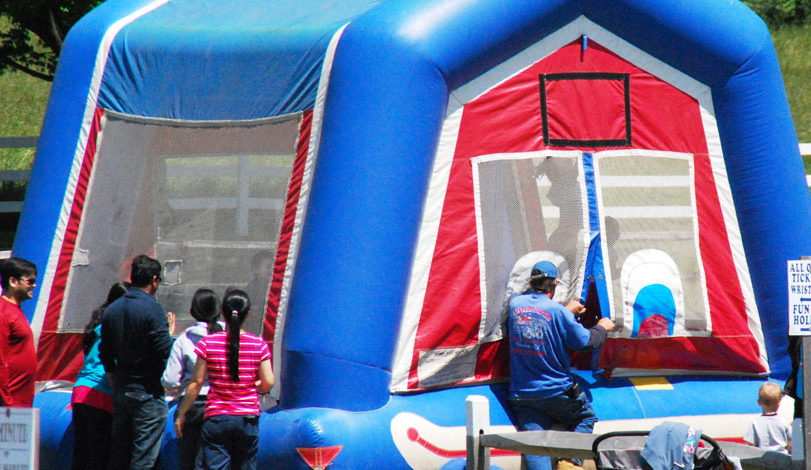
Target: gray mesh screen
{"x": 529, "y": 205}
{"x": 205, "y": 200}
{"x": 565, "y": 204}
{"x": 647, "y": 202}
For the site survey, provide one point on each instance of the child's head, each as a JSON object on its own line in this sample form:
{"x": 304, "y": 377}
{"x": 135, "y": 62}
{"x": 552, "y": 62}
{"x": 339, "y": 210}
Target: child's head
{"x": 769, "y": 397}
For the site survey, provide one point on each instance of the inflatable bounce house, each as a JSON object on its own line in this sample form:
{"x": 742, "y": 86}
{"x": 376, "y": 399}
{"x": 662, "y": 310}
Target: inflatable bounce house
{"x": 383, "y": 174}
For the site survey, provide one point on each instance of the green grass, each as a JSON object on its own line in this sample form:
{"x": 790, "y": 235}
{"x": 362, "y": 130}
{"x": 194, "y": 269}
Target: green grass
{"x": 792, "y": 45}
{"x": 22, "y": 101}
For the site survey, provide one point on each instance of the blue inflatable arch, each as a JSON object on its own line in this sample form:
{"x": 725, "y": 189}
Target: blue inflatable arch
{"x": 375, "y": 348}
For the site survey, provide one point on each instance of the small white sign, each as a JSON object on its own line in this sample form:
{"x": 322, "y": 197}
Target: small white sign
{"x": 19, "y": 438}
{"x": 445, "y": 365}
{"x": 799, "y": 297}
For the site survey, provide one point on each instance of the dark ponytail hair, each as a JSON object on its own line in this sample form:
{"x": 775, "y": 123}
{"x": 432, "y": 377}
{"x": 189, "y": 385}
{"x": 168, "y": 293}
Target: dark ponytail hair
{"x": 205, "y": 307}
{"x": 116, "y": 290}
{"x": 235, "y": 307}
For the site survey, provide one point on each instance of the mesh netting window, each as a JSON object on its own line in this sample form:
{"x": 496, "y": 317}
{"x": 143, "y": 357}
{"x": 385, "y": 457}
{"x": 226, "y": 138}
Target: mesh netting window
{"x": 530, "y": 204}
{"x": 648, "y": 218}
{"x": 537, "y": 206}
{"x": 205, "y": 199}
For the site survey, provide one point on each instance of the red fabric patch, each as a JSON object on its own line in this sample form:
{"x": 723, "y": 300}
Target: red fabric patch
{"x": 585, "y": 109}
{"x": 60, "y": 356}
{"x": 92, "y": 397}
{"x": 685, "y": 353}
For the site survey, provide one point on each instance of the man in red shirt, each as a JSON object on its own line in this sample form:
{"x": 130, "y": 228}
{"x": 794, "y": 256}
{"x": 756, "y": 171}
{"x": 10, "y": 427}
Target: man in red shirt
{"x": 18, "y": 357}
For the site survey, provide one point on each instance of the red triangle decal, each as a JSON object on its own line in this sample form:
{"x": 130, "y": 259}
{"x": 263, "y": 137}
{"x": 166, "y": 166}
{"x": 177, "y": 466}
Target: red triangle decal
{"x": 319, "y": 458}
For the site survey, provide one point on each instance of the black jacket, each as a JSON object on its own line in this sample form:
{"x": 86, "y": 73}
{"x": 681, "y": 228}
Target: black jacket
{"x": 135, "y": 341}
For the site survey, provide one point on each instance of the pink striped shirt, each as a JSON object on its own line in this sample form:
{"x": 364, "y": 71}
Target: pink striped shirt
{"x": 226, "y": 397}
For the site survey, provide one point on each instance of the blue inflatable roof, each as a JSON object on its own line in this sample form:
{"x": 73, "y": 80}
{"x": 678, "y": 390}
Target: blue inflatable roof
{"x": 230, "y": 50}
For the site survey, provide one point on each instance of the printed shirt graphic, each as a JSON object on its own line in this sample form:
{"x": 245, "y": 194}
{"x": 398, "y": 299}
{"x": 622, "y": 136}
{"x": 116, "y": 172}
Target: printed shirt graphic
{"x": 541, "y": 332}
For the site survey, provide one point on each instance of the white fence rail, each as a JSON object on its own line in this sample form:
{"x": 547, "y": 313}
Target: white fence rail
{"x": 805, "y": 149}
{"x": 242, "y": 201}
{"x": 13, "y": 175}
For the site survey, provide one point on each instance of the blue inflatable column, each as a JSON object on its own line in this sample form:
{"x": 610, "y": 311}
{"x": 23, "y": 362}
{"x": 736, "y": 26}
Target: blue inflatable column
{"x": 383, "y": 113}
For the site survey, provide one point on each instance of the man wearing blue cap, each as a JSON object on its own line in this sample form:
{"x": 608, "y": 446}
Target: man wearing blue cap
{"x": 543, "y": 392}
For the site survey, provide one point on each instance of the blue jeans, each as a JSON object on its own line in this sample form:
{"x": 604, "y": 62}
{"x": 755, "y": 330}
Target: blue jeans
{"x": 139, "y": 420}
{"x": 230, "y": 442}
{"x": 540, "y": 414}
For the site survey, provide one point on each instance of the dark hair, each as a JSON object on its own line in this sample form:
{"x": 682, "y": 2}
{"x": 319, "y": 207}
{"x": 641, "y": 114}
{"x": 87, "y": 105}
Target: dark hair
{"x": 543, "y": 285}
{"x": 16, "y": 268}
{"x": 116, "y": 290}
{"x": 205, "y": 306}
{"x": 235, "y": 307}
{"x": 144, "y": 269}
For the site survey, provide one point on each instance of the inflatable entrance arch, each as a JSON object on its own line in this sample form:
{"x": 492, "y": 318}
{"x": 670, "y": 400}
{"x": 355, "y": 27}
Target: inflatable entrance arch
{"x": 397, "y": 158}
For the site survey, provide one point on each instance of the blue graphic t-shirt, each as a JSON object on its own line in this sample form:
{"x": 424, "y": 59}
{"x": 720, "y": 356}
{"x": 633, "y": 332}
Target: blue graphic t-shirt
{"x": 541, "y": 332}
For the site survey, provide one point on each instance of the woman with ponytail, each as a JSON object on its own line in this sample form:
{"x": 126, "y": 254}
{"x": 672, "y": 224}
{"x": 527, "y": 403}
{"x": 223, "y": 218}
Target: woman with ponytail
{"x": 92, "y": 400}
{"x": 238, "y": 367}
{"x": 205, "y": 308}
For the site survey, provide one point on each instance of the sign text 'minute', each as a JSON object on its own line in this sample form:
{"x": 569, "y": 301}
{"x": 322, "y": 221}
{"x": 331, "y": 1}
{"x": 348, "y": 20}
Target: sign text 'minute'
{"x": 15, "y": 433}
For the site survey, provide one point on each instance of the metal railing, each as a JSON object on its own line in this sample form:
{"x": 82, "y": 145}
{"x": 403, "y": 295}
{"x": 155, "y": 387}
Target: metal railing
{"x": 481, "y": 437}
{"x": 13, "y": 175}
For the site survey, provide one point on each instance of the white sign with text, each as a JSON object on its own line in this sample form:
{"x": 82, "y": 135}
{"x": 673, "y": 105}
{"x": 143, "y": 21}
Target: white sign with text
{"x": 19, "y": 438}
{"x": 799, "y": 297}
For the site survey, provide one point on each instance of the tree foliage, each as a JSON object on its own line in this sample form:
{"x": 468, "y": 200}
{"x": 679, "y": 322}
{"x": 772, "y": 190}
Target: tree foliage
{"x": 32, "y": 33}
{"x": 781, "y": 12}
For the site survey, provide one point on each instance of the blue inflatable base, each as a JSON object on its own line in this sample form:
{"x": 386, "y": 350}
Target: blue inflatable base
{"x": 413, "y": 422}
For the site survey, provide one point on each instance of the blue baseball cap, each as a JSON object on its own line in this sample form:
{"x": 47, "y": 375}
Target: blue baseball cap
{"x": 544, "y": 269}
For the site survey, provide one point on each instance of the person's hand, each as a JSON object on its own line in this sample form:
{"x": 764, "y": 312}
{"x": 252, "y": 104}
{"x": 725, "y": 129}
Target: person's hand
{"x": 575, "y": 307}
{"x": 170, "y": 317}
{"x": 179, "y": 420}
{"x": 606, "y": 323}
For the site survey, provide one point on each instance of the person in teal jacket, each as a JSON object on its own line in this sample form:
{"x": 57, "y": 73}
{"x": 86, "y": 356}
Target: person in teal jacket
{"x": 92, "y": 400}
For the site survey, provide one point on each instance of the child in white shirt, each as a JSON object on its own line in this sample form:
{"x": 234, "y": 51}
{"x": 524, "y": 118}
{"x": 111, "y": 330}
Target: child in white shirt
{"x": 769, "y": 431}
